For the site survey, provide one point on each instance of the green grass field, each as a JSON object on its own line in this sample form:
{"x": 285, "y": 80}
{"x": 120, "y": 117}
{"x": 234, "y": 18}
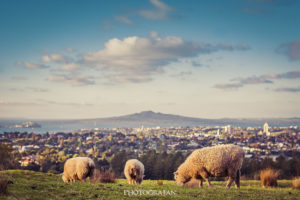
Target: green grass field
{"x": 40, "y": 186}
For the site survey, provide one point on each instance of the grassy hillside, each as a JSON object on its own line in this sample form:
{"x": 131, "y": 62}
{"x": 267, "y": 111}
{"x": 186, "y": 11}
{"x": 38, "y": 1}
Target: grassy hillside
{"x": 35, "y": 185}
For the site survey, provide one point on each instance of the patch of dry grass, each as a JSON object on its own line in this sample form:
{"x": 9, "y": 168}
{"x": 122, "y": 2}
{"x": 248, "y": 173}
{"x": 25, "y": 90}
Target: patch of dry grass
{"x": 268, "y": 177}
{"x": 104, "y": 176}
{"x": 296, "y": 183}
{"x": 160, "y": 182}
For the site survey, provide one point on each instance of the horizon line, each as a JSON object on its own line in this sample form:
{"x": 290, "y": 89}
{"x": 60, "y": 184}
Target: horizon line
{"x": 218, "y": 118}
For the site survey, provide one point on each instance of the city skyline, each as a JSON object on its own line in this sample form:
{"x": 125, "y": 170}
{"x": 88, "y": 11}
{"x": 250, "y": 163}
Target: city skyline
{"x": 206, "y": 59}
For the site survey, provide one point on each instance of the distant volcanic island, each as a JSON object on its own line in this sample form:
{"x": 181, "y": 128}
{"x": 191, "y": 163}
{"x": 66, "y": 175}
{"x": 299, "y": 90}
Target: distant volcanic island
{"x": 25, "y": 125}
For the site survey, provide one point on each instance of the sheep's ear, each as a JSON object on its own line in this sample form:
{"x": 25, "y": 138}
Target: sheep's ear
{"x": 176, "y": 173}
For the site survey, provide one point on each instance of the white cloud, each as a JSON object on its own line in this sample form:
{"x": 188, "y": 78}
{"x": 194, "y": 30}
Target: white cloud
{"x": 153, "y": 34}
{"x": 13, "y": 103}
{"x": 19, "y": 78}
{"x": 136, "y": 59}
{"x": 124, "y": 19}
{"x": 69, "y": 49}
{"x": 30, "y": 89}
{"x": 37, "y": 89}
{"x": 288, "y": 89}
{"x": 70, "y": 67}
{"x": 161, "y": 11}
{"x": 291, "y": 49}
{"x": 43, "y": 102}
{"x": 254, "y": 80}
{"x": 34, "y": 66}
{"x": 74, "y": 80}
{"x": 54, "y": 57}
{"x": 140, "y": 56}
{"x": 50, "y": 102}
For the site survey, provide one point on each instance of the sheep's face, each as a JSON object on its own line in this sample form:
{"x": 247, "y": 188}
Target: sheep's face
{"x": 64, "y": 178}
{"x": 179, "y": 179}
{"x": 139, "y": 180}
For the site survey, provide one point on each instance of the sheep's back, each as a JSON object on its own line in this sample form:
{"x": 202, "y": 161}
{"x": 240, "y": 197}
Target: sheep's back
{"x": 217, "y": 159}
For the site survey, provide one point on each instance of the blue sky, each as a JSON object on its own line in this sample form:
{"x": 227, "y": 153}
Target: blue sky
{"x": 86, "y": 59}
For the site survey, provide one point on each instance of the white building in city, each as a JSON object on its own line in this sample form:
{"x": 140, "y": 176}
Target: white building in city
{"x": 266, "y": 129}
{"x": 228, "y": 129}
{"x": 218, "y": 133}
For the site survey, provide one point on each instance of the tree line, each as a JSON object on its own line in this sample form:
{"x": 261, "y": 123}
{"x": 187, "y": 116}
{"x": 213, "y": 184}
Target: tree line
{"x": 158, "y": 165}
{"x": 162, "y": 165}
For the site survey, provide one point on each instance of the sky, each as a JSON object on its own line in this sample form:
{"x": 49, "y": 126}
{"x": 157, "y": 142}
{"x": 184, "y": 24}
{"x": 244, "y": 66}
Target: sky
{"x": 63, "y": 59}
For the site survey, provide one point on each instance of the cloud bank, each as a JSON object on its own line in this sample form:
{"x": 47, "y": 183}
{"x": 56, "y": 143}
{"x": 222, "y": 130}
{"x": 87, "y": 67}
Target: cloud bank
{"x": 74, "y": 80}
{"x": 288, "y": 89}
{"x": 263, "y": 79}
{"x": 291, "y": 50}
{"x": 136, "y": 59}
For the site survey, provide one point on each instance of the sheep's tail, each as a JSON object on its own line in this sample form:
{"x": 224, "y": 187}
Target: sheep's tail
{"x": 92, "y": 168}
{"x": 241, "y": 160}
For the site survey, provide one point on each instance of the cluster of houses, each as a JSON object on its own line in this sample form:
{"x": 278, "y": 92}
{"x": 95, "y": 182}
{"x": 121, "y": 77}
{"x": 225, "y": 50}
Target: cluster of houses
{"x": 258, "y": 142}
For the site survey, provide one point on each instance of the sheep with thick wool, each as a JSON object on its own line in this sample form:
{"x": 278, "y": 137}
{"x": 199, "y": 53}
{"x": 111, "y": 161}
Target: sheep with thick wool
{"x": 217, "y": 161}
{"x": 134, "y": 171}
{"x": 78, "y": 168}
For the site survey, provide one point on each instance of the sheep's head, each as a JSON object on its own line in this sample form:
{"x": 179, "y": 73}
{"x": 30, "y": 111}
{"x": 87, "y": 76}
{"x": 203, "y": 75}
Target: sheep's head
{"x": 180, "y": 179}
{"x": 139, "y": 180}
{"x": 64, "y": 178}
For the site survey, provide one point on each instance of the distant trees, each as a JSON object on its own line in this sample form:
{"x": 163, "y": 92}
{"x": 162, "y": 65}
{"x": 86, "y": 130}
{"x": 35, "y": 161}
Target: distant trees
{"x": 287, "y": 168}
{"x": 118, "y": 162}
{"x": 158, "y": 164}
{"x": 7, "y": 160}
{"x": 163, "y": 165}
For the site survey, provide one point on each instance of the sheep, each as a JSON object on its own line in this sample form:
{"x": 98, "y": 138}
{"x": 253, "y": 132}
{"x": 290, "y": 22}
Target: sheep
{"x": 78, "y": 168}
{"x": 134, "y": 171}
{"x": 218, "y": 161}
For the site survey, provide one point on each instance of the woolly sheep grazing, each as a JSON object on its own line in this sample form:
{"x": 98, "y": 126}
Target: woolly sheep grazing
{"x": 218, "y": 161}
{"x": 78, "y": 168}
{"x": 134, "y": 171}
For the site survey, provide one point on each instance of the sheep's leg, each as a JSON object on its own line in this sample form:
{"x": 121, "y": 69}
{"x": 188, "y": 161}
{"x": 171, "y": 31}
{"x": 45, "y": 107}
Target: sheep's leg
{"x": 231, "y": 178}
{"x": 208, "y": 182}
{"x": 229, "y": 182}
{"x": 205, "y": 175}
{"x": 237, "y": 179}
{"x": 201, "y": 183}
{"x": 81, "y": 178}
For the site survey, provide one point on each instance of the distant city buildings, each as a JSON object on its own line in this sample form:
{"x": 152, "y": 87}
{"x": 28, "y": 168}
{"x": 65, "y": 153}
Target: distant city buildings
{"x": 228, "y": 129}
{"x": 102, "y": 143}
